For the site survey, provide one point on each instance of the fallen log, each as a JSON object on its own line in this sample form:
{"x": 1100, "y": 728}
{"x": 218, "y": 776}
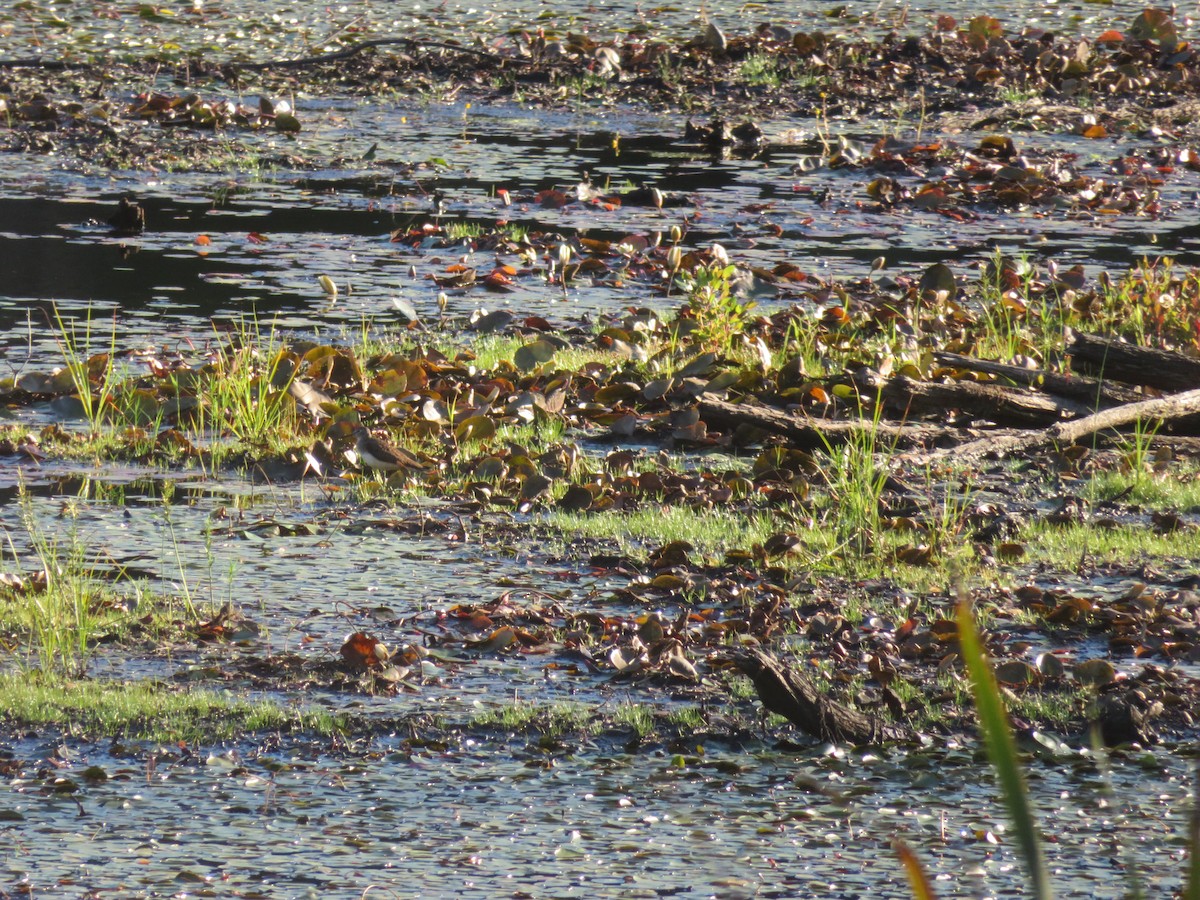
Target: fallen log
{"x": 1117, "y": 360}
{"x": 796, "y": 697}
{"x": 1096, "y": 394}
{"x": 808, "y": 433}
{"x": 1150, "y": 412}
{"x": 1004, "y": 406}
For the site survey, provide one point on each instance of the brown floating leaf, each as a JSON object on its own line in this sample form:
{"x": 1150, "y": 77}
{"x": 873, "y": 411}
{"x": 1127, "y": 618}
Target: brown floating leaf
{"x": 363, "y": 652}
{"x": 1050, "y": 666}
{"x": 476, "y": 428}
{"x": 1017, "y": 673}
{"x": 1154, "y": 25}
{"x": 937, "y": 280}
{"x": 533, "y": 355}
{"x": 576, "y": 499}
{"x": 534, "y": 486}
{"x": 1010, "y": 550}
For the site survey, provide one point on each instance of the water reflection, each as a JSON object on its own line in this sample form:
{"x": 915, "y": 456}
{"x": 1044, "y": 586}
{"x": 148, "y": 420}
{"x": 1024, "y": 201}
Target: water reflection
{"x": 266, "y": 238}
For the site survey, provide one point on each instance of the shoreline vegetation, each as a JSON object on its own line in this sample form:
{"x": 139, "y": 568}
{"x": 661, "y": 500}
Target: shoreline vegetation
{"x": 869, "y": 421}
{"x": 841, "y": 505}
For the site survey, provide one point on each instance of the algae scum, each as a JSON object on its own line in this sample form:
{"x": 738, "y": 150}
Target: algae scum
{"x": 665, "y": 385}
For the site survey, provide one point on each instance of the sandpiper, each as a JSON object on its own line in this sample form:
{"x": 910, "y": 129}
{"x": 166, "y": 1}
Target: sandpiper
{"x": 377, "y": 454}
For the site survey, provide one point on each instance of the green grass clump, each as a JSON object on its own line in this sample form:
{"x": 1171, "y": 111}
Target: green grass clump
{"x": 145, "y": 710}
{"x": 710, "y": 531}
{"x": 1122, "y": 545}
{"x": 689, "y": 718}
{"x": 1173, "y": 491}
{"x": 760, "y": 70}
{"x": 638, "y": 717}
{"x": 56, "y": 605}
{"x": 548, "y": 719}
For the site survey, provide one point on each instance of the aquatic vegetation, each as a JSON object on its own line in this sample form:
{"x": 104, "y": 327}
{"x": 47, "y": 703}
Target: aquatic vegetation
{"x": 55, "y": 601}
{"x": 145, "y": 710}
{"x": 661, "y": 408}
{"x": 92, "y": 375}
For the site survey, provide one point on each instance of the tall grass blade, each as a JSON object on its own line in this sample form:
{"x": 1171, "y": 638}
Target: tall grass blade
{"x": 1192, "y": 891}
{"x": 918, "y": 879}
{"x": 1002, "y": 751}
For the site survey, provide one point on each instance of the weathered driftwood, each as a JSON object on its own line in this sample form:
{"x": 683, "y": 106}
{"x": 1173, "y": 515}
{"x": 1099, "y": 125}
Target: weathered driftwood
{"x": 1163, "y": 409}
{"x": 1017, "y": 407}
{"x": 807, "y": 433}
{"x": 795, "y": 696}
{"x": 1112, "y": 359}
{"x": 1094, "y": 393}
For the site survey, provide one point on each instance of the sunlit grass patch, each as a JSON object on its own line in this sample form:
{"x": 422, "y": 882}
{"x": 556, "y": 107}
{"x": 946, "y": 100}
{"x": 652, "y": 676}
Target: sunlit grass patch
{"x": 638, "y": 717}
{"x": 687, "y": 718}
{"x": 490, "y": 353}
{"x": 759, "y": 69}
{"x": 56, "y": 602}
{"x": 549, "y": 719}
{"x": 59, "y": 624}
{"x": 1070, "y": 545}
{"x": 1175, "y": 489}
{"x": 1053, "y": 709}
{"x": 146, "y": 710}
{"x": 710, "y": 531}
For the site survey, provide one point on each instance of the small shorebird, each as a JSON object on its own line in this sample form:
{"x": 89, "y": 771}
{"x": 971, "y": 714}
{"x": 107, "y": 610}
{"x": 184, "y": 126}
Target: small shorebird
{"x": 382, "y": 456}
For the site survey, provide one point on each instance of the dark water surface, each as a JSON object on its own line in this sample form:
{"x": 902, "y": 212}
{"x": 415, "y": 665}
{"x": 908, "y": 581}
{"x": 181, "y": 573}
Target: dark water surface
{"x": 273, "y": 232}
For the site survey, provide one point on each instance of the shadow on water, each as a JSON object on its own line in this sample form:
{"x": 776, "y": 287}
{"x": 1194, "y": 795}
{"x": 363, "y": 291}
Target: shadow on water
{"x": 272, "y": 234}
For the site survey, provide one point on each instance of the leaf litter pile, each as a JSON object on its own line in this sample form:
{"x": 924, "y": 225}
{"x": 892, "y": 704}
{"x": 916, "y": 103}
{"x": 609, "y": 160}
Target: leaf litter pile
{"x": 757, "y": 469}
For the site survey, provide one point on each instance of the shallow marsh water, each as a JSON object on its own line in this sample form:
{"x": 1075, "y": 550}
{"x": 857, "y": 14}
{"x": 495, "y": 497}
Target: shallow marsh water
{"x": 491, "y": 818}
{"x": 258, "y": 30}
{"x": 274, "y": 233}
{"x": 489, "y": 815}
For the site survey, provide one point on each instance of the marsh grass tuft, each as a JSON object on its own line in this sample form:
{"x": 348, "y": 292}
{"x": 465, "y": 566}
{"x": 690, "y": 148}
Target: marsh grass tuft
{"x": 146, "y": 710}
{"x": 710, "y": 531}
{"x": 1119, "y": 544}
{"x": 93, "y": 375}
{"x": 639, "y": 717}
{"x": 58, "y": 605}
{"x": 247, "y": 389}
{"x": 761, "y": 70}
{"x": 549, "y": 719}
